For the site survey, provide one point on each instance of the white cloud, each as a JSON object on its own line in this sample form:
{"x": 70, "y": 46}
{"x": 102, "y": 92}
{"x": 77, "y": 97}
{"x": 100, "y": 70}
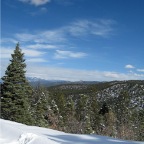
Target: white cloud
{"x": 80, "y": 28}
{"x": 32, "y": 53}
{"x": 7, "y": 51}
{"x": 56, "y": 73}
{"x": 48, "y": 36}
{"x": 24, "y": 37}
{"x": 140, "y": 70}
{"x": 36, "y": 60}
{"x": 129, "y": 66}
{"x": 36, "y": 2}
{"x": 41, "y": 46}
{"x": 57, "y": 35}
{"x": 9, "y": 40}
{"x": 111, "y": 75}
{"x": 60, "y": 54}
{"x": 97, "y": 27}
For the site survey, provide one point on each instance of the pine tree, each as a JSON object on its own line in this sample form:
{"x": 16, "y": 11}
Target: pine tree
{"x": 87, "y": 123}
{"x": 110, "y": 123}
{"x": 16, "y": 90}
{"x": 82, "y": 108}
{"x": 41, "y": 108}
{"x": 71, "y": 123}
{"x": 70, "y": 108}
{"x": 61, "y": 103}
{"x": 94, "y": 115}
{"x": 123, "y": 113}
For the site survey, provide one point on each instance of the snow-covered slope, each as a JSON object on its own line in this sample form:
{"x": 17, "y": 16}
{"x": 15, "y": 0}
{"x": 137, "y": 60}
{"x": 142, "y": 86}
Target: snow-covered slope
{"x": 16, "y": 133}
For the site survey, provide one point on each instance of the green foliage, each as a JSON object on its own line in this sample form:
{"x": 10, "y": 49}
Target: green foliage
{"x": 94, "y": 115}
{"x": 70, "y": 108}
{"x": 124, "y": 100}
{"x": 40, "y": 111}
{"x": 88, "y": 129}
{"x": 82, "y": 107}
{"x": 16, "y": 90}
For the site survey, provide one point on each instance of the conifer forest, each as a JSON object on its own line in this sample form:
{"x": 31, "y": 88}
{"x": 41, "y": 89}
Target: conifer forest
{"x": 114, "y": 108}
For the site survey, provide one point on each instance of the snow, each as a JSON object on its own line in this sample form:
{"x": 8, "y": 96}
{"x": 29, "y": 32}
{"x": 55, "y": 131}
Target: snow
{"x": 16, "y": 133}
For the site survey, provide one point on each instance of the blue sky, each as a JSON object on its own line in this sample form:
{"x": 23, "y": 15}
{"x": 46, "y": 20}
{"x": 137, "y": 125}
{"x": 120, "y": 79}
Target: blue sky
{"x": 100, "y": 40}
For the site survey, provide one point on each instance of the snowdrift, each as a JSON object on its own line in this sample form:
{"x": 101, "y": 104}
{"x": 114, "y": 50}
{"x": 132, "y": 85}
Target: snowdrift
{"x": 16, "y": 133}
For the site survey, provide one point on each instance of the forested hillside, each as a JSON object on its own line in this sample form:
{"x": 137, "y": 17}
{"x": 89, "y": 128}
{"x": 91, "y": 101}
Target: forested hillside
{"x": 108, "y": 108}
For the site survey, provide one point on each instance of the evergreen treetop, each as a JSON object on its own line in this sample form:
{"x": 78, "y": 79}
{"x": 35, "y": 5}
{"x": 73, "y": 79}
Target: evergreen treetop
{"x": 16, "y": 90}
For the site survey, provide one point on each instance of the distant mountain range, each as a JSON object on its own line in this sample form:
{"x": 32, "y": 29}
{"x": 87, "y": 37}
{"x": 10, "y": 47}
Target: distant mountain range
{"x": 34, "y": 81}
{"x": 37, "y": 81}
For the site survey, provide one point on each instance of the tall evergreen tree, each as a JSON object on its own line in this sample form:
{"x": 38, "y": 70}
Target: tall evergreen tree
{"x": 16, "y": 90}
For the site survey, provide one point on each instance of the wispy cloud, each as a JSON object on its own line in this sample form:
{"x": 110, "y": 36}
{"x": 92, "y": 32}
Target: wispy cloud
{"x": 24, "y": 37}
{"x": 36, "y": 60}
{"x": 7, "y": 51}
{"x": 48, "y": 36}
{"x": 80, "y": 28}
{"x": 129, "y": 66}
{"x": 36, "y": 43}
{"x": 112, "y": 75}
{"x": 56, "y": 35}
{"x": 36, "y": 2}
{"x": 33, "y": 53}
{"x": 100, "y": 27}
{"x": 60, "y": 54}
{"x": 56, "y": 73}
{"x": 8, "y": 40}
{"x": 41, "y": 46}
{"x": 140, "y": 70}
